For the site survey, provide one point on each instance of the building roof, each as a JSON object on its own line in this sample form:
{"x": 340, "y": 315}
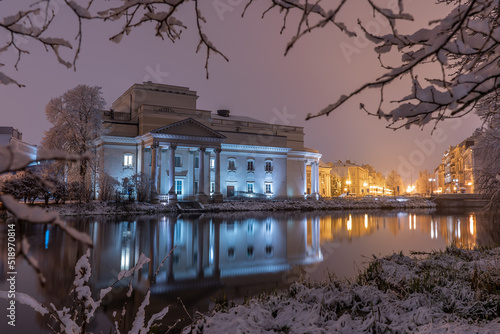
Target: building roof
{"x": 189, "y": 127}
{"x": 236, "y": 118}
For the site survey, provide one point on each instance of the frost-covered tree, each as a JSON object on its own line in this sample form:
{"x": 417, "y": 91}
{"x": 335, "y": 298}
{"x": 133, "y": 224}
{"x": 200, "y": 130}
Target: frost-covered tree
{"x": 394, "y": 181}
{"x": 422, "y": 184}
{"x": 76, "y": 119}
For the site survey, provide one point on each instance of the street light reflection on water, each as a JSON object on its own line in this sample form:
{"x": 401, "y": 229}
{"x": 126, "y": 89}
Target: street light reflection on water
{"x": 237, "y": 253}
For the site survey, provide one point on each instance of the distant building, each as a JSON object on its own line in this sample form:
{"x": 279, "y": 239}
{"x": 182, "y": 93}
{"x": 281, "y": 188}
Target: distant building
{"x": 455, "y": 174}
{"x": 14, "y": 138}
{"x": 356, "y": 177}
{"x": 194, "y": 154}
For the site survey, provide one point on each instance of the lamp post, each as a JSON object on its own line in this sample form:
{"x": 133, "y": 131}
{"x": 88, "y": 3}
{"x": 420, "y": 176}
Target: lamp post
{"x": 456, "y": 185}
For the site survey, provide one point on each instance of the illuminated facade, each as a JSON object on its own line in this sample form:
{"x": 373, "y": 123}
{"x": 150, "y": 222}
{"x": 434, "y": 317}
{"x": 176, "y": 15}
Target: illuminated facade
{"x": 356, "y": 177}
{"x": 194, "y": 154}
{"x": 455, "y": 174}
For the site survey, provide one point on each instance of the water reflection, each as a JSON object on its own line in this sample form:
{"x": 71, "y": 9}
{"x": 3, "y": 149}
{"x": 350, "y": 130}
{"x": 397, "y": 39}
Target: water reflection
{"x": 204, "y": 249}
{"x": 241, "y": 254}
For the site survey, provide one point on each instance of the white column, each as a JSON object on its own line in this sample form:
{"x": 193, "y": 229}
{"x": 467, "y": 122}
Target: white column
{"x": 305, "y": 177}
{"x": 154, "y": 193}
{"x": 207, "y": 174}
{"x": 201, "y": 196}
{"x": 313, "y": 177}
{"x": 158, "y": 173}
{"x": 140, "y": 158}
{"x": 172, "y": 196}
{"x": 317, "y": 177}
{"x": 217, "y": 193}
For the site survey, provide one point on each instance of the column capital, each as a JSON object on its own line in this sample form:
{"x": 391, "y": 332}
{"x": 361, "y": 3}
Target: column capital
{"x": 172, "y": 146}
{"x": 218, "y": 150}
{"x": 155, "y": 144}
{"x": 202, "y": 149}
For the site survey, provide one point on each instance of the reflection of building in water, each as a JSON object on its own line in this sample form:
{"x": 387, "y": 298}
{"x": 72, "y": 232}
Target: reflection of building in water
{"x": 347, "y": 226}
{"x": 459, "y": 231}
{"x": 204, "y": 249}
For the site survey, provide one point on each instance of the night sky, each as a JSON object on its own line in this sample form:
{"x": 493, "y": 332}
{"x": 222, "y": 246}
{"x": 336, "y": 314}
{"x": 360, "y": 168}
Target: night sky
{"x": 257, "y": 81}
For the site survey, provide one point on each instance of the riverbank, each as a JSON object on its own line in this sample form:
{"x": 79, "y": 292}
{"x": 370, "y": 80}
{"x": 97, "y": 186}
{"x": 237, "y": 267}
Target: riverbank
{"x": 368, "y": 203}
{"x": 451, "y": 291}
{"x": 335, "y": 204}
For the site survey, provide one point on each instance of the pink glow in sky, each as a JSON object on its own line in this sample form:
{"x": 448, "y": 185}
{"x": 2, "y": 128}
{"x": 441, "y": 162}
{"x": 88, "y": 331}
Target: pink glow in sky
{"x": 257, "y": 82}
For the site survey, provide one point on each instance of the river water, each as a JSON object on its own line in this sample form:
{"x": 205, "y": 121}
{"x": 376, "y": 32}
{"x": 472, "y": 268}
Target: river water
{"x": 214, "y": 257}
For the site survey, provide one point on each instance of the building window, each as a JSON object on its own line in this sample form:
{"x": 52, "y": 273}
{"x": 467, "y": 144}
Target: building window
{"x": 212, "y": 163}
{"x": 269, "y": 188}
{"x": 231, "y": 164}
{"x": 178, "y": 187}
{"x": 268, "y": 226}
{"x": 212, "y": 187}
{"x": 269, "y": 250}
{"x": 250, "y": 165}
{"x": 250, "y": 187}
{"x": 195, "y": 187}
{"x": 250, "y": 252}
{"x": 128, "y": 160}
{"x": 230, "y": 253}
{"x": 196, "y": 162}
{"x": 250, "y": 228}
{"x": 178, "y": 161}
{"x": 269, "y": 166}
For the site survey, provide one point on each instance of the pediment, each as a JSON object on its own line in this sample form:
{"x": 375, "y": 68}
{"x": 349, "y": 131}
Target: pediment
{"x": 188, "y": 127}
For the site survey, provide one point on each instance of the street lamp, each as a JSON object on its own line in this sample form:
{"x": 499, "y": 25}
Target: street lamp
{"x": 348, "y": 182}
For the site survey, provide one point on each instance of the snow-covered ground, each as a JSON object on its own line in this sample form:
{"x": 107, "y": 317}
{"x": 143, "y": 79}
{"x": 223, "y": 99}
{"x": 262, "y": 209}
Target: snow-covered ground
{"x": 455, "y": 291}
{"x": 110, "y": 208}
{"x": 375, "y": 203}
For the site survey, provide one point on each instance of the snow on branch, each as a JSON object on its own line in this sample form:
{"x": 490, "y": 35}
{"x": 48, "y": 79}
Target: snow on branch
{"x": 38, "y": 215}
{"x": 12, "y": 160}
{"x": 464, "y": 46}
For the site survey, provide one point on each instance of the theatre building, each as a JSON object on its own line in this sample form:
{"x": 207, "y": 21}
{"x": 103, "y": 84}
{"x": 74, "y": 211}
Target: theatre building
{"x": 193, "y": 154}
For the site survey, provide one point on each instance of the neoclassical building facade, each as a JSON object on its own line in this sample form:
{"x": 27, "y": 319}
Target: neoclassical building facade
{"x": 193, "y": 154}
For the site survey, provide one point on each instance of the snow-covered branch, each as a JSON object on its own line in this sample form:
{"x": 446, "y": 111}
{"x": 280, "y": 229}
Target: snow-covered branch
{"x": 464, "y": 46}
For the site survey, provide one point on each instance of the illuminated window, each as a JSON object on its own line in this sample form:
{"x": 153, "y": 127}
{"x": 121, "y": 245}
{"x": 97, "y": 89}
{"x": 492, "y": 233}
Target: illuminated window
{"x": 212, "y": 163}
{"x": 178, "y": 187}
{"x": 212, "y": 187}
{"x": 269, "y": 188}
{"x": 250, "y": 187}
{"x": 128, "y": 160}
